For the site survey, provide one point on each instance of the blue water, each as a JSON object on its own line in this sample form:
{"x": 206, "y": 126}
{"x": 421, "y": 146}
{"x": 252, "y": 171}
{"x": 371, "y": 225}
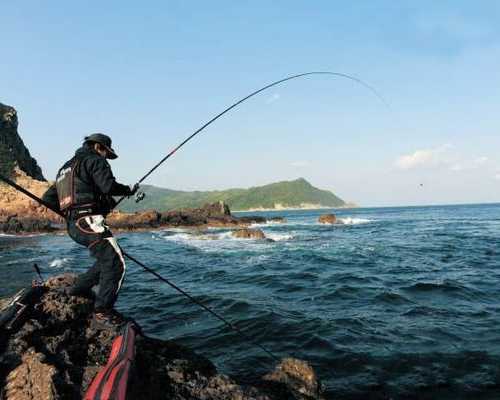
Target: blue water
{"x": 397, "y": 302}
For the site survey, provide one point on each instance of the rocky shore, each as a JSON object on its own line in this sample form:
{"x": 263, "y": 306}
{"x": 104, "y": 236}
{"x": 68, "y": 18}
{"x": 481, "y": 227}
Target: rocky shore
{"x": 32, "y": 218}
{"x": 55, "y": 352}
{"x": 20, "y": 215}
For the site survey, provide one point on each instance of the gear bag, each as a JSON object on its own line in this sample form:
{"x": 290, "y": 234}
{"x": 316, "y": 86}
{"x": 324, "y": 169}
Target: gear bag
{"x": 65, "y": 185}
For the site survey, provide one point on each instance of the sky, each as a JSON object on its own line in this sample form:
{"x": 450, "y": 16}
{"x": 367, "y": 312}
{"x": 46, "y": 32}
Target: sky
{"x": 150, "y": 74}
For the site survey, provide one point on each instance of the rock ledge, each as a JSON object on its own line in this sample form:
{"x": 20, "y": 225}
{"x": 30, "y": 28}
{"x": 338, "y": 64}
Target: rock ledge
{"x": 56, "y": 353}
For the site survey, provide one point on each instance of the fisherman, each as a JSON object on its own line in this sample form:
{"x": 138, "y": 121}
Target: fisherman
{"x": 83, "y": 192}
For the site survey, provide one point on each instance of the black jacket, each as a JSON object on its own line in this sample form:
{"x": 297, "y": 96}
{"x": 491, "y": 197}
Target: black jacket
{"x": 94, "y": 182}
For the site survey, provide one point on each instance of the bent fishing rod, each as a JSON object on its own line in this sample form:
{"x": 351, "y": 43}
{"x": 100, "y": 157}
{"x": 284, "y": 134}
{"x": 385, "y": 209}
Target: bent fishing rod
{"x": 237, "y": 103}
{"x": 149, "y": 270}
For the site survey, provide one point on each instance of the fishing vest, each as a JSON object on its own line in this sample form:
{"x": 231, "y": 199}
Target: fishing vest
{"x": 72, "y": 191}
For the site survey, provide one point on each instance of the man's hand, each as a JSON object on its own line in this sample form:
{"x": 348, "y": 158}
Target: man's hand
{"x": 134, "y": 189}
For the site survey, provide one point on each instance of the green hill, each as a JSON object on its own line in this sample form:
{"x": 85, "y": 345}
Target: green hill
{"x": 295, "y": 194}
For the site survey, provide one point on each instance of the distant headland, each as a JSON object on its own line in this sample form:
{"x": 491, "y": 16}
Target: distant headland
{"x": 286, "y": 195}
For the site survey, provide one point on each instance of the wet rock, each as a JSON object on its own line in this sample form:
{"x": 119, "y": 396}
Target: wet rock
{"x": 296, "y": 375}
{"x": 57, "y": 351}
{"x": 249, "y": 234}
{"x": 32, "y": 379}
{"x": 328, "y": 219}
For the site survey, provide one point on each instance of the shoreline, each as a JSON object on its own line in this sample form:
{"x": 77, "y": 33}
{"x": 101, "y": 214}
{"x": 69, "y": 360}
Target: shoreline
{"x": 215, "y": 215}
{"x": 319, "y": 208}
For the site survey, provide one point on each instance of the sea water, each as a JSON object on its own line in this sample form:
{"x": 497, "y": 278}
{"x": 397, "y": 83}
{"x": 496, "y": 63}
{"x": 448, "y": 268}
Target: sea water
{"x": 394, "y": 302}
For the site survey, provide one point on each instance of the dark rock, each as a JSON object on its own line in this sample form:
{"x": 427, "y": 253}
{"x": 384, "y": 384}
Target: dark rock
{"x": 256, "y": 219}
{"x": 296, "y": 375}
{"x": 249, "y": 234}
{"x": 56, "y": 353}
{"x": 328, "y": 219}
{"x": 138, "y": 220}
{"x": 14, "y": 224}
{"x": 216, "y": 210}
{"x": 13, "y": 152}
{"x": 252, "y": 219}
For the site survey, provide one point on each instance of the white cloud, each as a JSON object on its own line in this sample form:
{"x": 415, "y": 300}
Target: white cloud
{"x": 300, "y": 164}
{"x": 273, "y": 98}
{"x": 481, "y": 160}
{"x": 471, "y": 164}
{"x": 497, "y": 176}
{"x": 425, "y": 158}
{"x": 441, "y": 157}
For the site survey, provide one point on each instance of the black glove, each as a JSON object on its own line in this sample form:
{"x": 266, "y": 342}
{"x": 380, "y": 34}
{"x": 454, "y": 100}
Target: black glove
{"x": 134, "y": 189}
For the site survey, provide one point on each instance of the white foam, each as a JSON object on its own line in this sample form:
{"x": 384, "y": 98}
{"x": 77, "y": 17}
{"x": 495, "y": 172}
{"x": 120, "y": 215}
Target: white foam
{"x": 21, "y": 236}
{"x": 267, "y": 223}
{"x": 278, "y": 237}
{"x": 59, "y": 262}
{"x": 175, "y": 230}
{"x": 223, "y": 241}
{"x": 354, "y": 221}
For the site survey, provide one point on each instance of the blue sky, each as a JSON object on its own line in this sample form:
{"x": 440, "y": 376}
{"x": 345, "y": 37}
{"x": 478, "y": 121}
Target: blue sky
{"x": 149, "y": 74}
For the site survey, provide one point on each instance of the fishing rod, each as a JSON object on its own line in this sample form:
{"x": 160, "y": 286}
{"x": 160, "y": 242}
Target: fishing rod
{"x": 147, "y": 269}
{"x": 237, "y": 103}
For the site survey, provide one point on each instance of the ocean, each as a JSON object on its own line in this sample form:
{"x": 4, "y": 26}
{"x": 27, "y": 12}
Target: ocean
{"x": 400, "y": 302}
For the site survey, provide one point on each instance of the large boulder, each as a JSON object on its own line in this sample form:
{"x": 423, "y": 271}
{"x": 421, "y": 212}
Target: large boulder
{"x": 249, "y": 234}
{"x": 215, "y": 214}
{"x": 138, "y": 220}
{"x": 328, "y": 219}
{"x": 297, "y": 375}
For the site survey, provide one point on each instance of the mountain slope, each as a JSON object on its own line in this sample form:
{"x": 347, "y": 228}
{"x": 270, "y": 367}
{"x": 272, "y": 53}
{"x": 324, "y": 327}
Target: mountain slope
{"x": 297, "y": 193}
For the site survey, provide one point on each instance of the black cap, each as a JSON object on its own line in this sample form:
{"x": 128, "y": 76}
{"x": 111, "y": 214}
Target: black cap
{"x": 103, "y": 140}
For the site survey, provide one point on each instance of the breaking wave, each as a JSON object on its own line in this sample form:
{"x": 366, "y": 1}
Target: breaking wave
{"x": 59, "y": 263}
{"x": 354, "y": 221}
{"x": 186, "y": 236}
{"x": 278, "y": 237}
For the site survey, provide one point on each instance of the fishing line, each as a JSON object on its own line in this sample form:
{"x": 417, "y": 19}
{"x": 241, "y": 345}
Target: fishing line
{"x": 151, "y": 271}
{"x": 237, "y": 103}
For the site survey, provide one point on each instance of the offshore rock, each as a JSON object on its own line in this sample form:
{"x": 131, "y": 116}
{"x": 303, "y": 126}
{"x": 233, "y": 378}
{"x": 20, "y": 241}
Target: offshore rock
{"x": 297, "y": 375}
{"x": 249, "y": 234}
{"x": 13, "y": 152}
{"x": 328, "y": 219}
{"x": 56, "y": 353}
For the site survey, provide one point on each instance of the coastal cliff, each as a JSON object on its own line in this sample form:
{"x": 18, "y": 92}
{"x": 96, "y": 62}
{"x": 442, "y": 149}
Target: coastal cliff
{"x": 13, "y": 152}
{"x": 55, "y": 352}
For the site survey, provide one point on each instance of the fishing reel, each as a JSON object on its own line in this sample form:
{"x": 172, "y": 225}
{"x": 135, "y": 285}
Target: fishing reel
{"x": 139, "y": 196}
